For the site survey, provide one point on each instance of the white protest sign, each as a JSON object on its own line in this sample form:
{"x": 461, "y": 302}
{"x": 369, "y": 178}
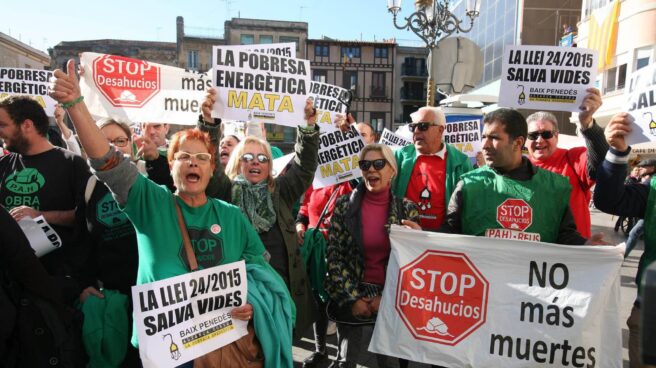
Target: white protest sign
{"x": 184, "y": 317}
{"x": 287, "y": 49}
{"x": 42, "y": 237}
{"x": 393, "y": 140}
{"x": 546, "y": 77}
{"x": 404, "y": 131}
{"x": 338, "y": 157}
{"x": 252, "y": 86}
{"x": 641, "y": 104}
{"x": 32, "y": 82}
{"x": 464, "y": 133}
{"x": 329, "y": 100}
{"x": 462, "y": 301}
{"x": 280, "y": 163}
{"x": 138, "y": 91}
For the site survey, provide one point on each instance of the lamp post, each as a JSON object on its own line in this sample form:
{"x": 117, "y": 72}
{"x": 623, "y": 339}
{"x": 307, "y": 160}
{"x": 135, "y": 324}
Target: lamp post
{"x": 432, "y": 20}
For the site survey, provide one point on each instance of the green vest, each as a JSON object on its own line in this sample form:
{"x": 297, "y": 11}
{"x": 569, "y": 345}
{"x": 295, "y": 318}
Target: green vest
{"x": 649, "y": 254}
{"x": 521, "y": 210}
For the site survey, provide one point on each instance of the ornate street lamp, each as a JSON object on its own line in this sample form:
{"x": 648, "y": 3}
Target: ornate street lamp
{"x": 431, "y": 21}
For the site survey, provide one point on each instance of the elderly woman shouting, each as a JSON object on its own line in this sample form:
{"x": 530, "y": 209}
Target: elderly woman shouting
{"x": 359, "y": 247}
{"x": 267, "y": 202}
{"x": 153, "y": 211}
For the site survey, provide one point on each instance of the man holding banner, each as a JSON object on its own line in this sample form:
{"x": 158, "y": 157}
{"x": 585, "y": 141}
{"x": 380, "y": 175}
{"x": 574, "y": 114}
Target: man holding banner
{"x": 429, "y": 169}
{"x": 578, "y": 164}
{"x": 501, "y": 200}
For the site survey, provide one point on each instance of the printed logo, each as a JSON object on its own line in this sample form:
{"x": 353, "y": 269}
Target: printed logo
{"x": 173, "y": 347}
{"x": 441, "y": 297}
{"x": 514, "y": 214}
{"x": 26, "y": 181}
{"x": 521, "y": 99}
{"x": 126, "y": 82}
{"x": 108, "y": 213}
{"x": 207, "y": 246}
{"x": 652, "y": 123}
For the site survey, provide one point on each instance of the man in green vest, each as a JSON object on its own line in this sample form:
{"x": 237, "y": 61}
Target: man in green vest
{"x": 429, "y": 168}
{"x": 510, "y": 198}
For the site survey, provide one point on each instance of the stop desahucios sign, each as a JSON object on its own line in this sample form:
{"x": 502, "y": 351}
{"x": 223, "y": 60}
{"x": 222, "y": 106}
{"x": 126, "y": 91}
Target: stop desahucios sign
{"x": 441, "y": 297}
{"x": 126, "y": 82}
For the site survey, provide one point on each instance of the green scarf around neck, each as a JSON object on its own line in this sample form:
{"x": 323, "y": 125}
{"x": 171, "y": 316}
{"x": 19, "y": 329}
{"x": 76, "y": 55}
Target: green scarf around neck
{"x": 255, "y": 202}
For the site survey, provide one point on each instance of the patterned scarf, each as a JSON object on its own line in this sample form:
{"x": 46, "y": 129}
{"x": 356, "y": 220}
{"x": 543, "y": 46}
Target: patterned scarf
{"x": 255, "y": 202}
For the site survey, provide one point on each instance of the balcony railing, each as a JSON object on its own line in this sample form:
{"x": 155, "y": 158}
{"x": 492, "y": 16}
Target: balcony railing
{"x": 413, "y": 94}
{"x": 412, "y": 70}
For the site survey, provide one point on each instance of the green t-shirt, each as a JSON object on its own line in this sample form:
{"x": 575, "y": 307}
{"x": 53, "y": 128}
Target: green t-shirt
{"x": 219, "y": 233}
{"x": 500, "y": 207}
{"x": 649, "y": 254}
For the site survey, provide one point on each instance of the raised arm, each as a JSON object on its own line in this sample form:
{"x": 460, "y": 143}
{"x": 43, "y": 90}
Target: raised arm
{"x": 65, "y": 89}
{"x": 110, "y": 165}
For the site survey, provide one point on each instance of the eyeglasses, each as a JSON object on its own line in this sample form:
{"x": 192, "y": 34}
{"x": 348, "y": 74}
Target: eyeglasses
{"x": 423, "y": 126}
{"x": 202, "y": 157}
{"x": 378, "y": 164}
{"x": 119, "y": 142}
{"x": 261, "y": 157}
{"x": 547, "y": 134}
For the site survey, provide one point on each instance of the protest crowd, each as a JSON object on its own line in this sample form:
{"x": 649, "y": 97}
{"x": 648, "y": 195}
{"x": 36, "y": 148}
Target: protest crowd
{"x": 143, "y": 216}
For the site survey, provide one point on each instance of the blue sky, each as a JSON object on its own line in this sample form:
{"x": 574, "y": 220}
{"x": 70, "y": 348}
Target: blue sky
{"x": 44, "y": 23}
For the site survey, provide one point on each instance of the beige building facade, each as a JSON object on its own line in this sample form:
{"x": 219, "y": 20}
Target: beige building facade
{"x": 16, "y": 54}
{"x": 365, "y": 68}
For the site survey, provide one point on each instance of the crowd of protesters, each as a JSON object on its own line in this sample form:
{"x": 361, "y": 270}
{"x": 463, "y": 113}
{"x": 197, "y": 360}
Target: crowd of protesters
{"x": 118, "y": 199}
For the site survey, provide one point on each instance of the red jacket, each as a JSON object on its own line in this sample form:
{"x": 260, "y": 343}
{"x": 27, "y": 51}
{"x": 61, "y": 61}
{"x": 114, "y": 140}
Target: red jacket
{"x": 572, "y": 164}
{"x": 315, "y": 200}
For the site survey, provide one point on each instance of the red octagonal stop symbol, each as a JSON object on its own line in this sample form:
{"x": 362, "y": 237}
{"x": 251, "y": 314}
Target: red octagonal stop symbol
{"x": 126, "y": 82}
{"x": 515, "y": 214}
{"x": 441, "y": 297}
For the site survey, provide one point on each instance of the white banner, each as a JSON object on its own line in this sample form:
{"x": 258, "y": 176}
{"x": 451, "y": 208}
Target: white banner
{"x": 139, "y": 91}
{"x": 42, "y": 237}
{"x": 253, "y": 86}
{"x": 32, "y": 82}
{"x": 184, "y": 317}
{"x": 286, "y": 49}
{"x": 546, "y": 77}
{"x": 338, "y": 157}
{"x": 462, "y": 301}
{"x": 329, "y": 100}
{"x": 393, "y": 140}
{"x": 641, "y": 103}
{"x": 465, "y": 135}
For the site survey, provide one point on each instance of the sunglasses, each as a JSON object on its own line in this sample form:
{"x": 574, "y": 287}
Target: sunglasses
{"x": 203, "y": 157}
{"x": 119, "y": 142}
{"x": 261, "y": 157}
{"x": 378, "y": 164}
{"x": 422, "y": 126}
{"x": 545, "y": 135}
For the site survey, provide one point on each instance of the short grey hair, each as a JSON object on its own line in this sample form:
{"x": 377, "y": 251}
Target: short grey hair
{"x": 440, "y": 118}
{"x": 543, "y": 115}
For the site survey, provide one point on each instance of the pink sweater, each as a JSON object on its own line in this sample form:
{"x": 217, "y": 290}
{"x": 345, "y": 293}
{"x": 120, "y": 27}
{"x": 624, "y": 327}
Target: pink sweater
{"x": 374, "y": 235}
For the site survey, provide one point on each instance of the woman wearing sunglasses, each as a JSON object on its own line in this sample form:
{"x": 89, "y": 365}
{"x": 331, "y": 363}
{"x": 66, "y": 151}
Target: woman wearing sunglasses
{"x": 153, "y": 212}
{"x": 359, "y": 247}
{"x": 267, "y": 202}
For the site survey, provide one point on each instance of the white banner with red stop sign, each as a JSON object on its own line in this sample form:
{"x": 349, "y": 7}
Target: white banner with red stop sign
{"x": 463, "y": 301}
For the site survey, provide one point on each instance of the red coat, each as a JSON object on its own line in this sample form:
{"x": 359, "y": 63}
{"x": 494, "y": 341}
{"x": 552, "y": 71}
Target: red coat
{"x": 572, "y": 164}
{"x": 315, "y": 200}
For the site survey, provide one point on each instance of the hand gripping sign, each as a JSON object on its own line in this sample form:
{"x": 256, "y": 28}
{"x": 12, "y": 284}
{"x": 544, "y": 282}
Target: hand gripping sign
{"x": 441, "y": 297}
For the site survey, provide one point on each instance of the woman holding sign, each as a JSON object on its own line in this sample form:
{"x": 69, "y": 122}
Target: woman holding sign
{"x": 219, "y": 232}
{"x": 267, "y": 202}
{"x": 359, "y": 246}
